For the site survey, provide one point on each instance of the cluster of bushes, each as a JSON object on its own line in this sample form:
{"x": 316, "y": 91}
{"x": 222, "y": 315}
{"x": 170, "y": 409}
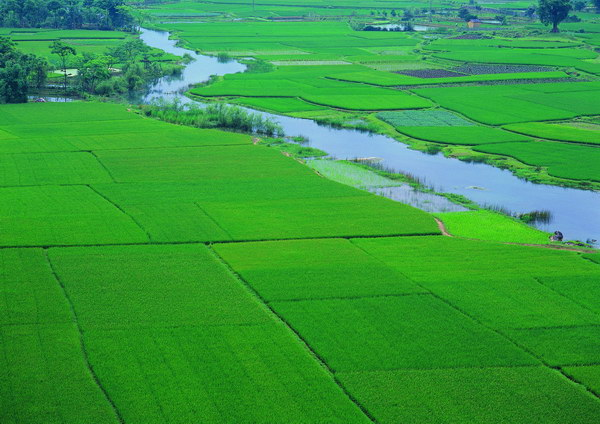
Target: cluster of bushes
{"x": 217, "y": 115}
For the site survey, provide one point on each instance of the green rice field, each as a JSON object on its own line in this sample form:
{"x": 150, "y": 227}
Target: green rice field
{"x": 132, "y": 291}
{"x": 158, "y": 273}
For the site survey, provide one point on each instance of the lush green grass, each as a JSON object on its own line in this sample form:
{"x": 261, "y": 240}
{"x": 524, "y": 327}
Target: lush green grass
{"x": 510, "y": 395}
{"x": 486, "y": 225}
{"x": 45, "y": 378}
{"x": 559, "y": 158}
{"x": 59, "y": 215}
{"x": 219, "y": 189}
{"x": 513, "y": 302}
{"x": 518, "y": 103}
{"x": 397, "y": 332}
{"x": 308, "y": 269}
{"x": 588, "y": 375}
{"x": 44, "y": 375}
{"x": 197, "y": 164}
{"x": 445, "y": 259}
{"x": 51, "y": 169}
{"x": 471, "y": 135}
{"x": 165, "y": 286}
{"x": 583, "y": 289}
{"x": 324, "y": 217}
{"x": 577, "y": 345}
{"x": 390, "y": 79}
{"x": 561, "y": 132}
{"x": 216, "y": 374}
{"x": 71, "y": 112}
{"x": 278, "y": 104}
{"x": 29, "y": 293}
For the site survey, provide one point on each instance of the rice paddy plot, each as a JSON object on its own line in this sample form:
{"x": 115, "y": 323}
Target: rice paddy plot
{"x": 197, "y": 164}
{"x": 561, "y": 132}
{"x": 518, "y": 103}
{"x": 50, "y": 113}
{"x": 397, "y": 332}
{"x": 513, "y": 302}
{"x": 36, "y": 169}
{"x": 45, "y": 377}
{"x": 322, "y": 217}
{"x": 586, "y": 375}
{"x": 557, "y": 157}
{"x": 430, "y": 260}
{"x": 468, "y": 135}
{"x": 278, "y": 104}
{"x": 63, "y": 215}
{"x": 372, "y": 101}
{"x": 583, "y": 288}
{"x": 515, "y": 395}
{"x": 251, "y": 189}
{"x": 29, "y": 292}
{"x": 558, "y": 346}
{"x": 216, "y": 374}
{"x": 93, "y": 128}
{"x": 133, "y": 287}
{"x": 308, "y": 269}
{"x": 397, "y": 79}
{"x": 487, "y": 225}
{"x": 423, "y": 118}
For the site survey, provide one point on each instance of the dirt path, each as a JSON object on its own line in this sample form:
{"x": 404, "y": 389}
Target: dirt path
{"x": 442, "y": 227}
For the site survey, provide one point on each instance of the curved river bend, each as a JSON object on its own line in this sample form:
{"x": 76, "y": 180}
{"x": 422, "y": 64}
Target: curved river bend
{"x": 574, "y": 212}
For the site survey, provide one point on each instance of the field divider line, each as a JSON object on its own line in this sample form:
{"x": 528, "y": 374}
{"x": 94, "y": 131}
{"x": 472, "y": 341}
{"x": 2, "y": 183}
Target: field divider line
{"x": 474, "y": 367}
{"x": 207, "y": 242}
{"x": 135, "y": 221}
{"x": 554, "y": 327}
{"x": 374, "y": 296}
{"x": 499, "y": 333}
{"x": 320, "y": 360}
{"x": 540, "y": 282}
{"x": 213, "y": 220}
{"x": 110, "y": 174}
{"x": 82, "y": 340}
{"x": 518, "y": 345}
{"x": 124, "y": 149}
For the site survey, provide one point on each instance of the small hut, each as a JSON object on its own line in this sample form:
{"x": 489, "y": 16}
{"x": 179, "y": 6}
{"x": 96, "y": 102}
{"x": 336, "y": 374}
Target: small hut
{"x": 473, "y": 23}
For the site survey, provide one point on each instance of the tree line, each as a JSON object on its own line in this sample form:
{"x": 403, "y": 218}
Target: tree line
{"x": 67, "y": 14}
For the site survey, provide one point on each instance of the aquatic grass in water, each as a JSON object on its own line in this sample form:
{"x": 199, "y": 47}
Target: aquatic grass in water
{"x": 217, "y": 115}
{"x": 349, "y": 174}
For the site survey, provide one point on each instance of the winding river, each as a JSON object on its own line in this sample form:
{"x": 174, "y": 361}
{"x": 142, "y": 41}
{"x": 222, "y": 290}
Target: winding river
{"x": 574, "y": 212}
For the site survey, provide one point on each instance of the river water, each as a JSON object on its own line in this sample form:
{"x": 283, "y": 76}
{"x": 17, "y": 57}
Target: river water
{"x": 576, "y": 213}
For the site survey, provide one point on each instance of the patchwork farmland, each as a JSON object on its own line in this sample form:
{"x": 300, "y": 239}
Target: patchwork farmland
{"x": 123, "y": 304}
{"x": 167, "y": 263}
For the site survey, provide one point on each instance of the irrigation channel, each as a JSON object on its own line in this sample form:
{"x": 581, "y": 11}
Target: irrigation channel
{"x": 576, "y": 213}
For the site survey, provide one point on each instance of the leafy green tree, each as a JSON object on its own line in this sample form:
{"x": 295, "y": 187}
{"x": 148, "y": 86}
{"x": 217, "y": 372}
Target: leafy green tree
{"x": 597, "y": 5}
{"x": 553, "y": 12}
{"x": 129, "y": 50}
{"x": 92, "y": 71}
{"x": 63, "y": 51}
{"x": 19, "y": 72}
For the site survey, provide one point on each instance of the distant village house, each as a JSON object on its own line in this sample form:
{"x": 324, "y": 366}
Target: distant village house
{"x": 474, "y": 23}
